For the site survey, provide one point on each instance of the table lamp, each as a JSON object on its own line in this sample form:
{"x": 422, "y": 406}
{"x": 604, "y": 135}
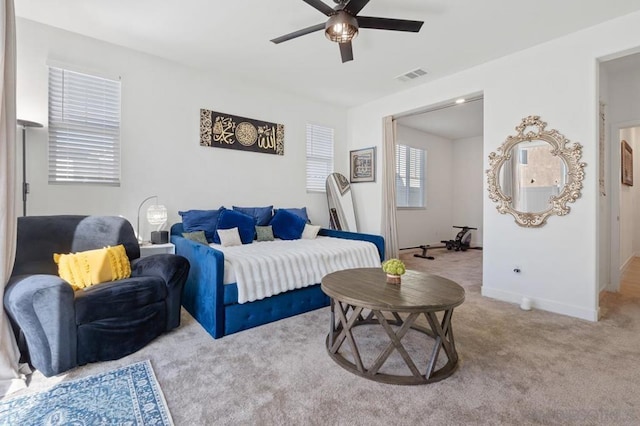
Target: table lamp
{"x": 156, "y": 216}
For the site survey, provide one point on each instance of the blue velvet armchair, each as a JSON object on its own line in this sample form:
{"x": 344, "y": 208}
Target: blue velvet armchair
{"x": 59, "y": 328}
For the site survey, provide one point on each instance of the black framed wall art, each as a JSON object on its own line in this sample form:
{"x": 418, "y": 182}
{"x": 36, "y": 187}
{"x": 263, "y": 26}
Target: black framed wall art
{"x": 363, "y": 165}
{"x": 220, "y": 130}
{"x": 627, "y": 163}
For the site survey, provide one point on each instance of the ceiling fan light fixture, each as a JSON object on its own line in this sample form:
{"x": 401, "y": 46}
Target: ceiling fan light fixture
{"x": 343, "y": 23}
{"x": 341, "y": 27}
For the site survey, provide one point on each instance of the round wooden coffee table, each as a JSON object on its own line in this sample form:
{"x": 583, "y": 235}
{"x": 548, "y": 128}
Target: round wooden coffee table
{"x": 362, "y": 296}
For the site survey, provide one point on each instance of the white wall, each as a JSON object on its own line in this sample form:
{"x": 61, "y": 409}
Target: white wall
{"x": 467, "y": 177}
{"x": 558, "y": 81}
{"x": 635, "y": 208}
{"x": 630, "y": 203}
{"x": 160, "y": 133}
{"x": 627, "y": 195}
{"x": 433, "y": 223}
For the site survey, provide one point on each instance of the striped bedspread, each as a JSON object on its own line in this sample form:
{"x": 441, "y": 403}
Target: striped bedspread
{"x": 266, "y": 268}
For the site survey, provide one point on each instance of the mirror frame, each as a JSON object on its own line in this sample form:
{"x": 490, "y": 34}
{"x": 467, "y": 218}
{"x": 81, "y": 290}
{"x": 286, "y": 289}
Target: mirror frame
{"x": 570, "y": 154}
{"x": 342, "y": 212}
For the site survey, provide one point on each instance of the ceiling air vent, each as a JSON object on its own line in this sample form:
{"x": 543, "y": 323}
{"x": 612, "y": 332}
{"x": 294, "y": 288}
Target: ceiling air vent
{"x": 412, "y": 75}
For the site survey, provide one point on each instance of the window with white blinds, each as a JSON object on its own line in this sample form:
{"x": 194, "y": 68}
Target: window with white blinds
{"x": 84, "y": 128}
{"x": 410, "y": 176}
{"x": 319, "y": 156}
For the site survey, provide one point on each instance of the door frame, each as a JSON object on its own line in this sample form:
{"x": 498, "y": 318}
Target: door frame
{"x": 614, "y": 213}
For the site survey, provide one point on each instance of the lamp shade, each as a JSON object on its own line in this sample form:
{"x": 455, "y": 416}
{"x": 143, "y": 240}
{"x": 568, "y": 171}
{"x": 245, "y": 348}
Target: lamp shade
{"x": 157, "y": 215}
{"x": 341, "y": 27}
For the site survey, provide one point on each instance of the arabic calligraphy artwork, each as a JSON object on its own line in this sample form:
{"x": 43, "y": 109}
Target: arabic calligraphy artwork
{"x": 363, "y": 165}
{"x": 231, "y": 131}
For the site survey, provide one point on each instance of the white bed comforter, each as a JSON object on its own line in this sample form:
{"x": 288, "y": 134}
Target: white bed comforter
{"x": 266, "y": 268}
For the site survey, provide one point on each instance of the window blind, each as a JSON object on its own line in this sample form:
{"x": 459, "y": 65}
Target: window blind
{"x": 319, "y": 156}
{"x": 410, "y": 176}
{"x": 84, "y": 128}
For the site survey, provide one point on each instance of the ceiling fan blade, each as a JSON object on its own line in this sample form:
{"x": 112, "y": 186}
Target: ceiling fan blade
{"x": 321, "y": 6}
{"x": 346, "y": 52}
{"x": 355, "y": 6}
{"x": 298, "y": 33}
{"x": 389, "y": 24}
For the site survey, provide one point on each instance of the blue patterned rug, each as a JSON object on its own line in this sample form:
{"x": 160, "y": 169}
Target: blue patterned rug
{"x": 127, "y": 396}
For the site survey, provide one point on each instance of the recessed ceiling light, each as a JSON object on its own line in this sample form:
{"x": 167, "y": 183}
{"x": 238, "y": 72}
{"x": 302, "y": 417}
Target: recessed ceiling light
{"x": 460, "y": 101}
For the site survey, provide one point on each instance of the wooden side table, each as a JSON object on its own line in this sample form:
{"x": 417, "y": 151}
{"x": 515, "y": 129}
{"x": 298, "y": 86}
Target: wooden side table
{"x": 362, "y": 296}
{"x": 149, "y": 249}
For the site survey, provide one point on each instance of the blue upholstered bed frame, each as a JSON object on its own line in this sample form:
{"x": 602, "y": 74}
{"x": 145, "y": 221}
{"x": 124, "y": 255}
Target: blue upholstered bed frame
{"x": 215, "y": 305}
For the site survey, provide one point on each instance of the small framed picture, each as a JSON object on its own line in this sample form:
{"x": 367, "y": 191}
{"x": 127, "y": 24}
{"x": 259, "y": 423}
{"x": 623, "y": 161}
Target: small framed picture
{"x": 627, "y": 164}
{"x": 363, "y": 165}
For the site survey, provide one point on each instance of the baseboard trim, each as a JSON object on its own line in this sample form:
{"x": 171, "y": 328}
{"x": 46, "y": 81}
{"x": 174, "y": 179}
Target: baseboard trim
{"x": 612, "y": 288}
{"x": 542, "y": 304}
{"x": 626, "y": 264}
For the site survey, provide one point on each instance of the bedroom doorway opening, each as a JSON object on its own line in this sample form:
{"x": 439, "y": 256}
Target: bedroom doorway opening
{"x": 439, "y": 172}
{"x": 619, "y": 201}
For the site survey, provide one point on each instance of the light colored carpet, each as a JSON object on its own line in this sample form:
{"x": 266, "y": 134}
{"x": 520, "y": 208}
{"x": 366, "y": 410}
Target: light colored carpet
{"x": 516, "y": 368}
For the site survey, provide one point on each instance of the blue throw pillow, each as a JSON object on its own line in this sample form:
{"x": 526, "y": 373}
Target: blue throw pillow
{"x": 262, "y": 215}
{"x": 287, "y": 225}
{"x": 300, "y": 212}
{"x": 233, "y": 219}
{"x": 201, "y": 220}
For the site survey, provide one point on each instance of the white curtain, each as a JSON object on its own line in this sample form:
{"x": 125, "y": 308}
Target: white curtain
{"x": 11, "y": 378}
{"x": 389, "y": 221}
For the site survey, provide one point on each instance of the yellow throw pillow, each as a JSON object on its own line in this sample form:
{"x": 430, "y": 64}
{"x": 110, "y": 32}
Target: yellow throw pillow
{"x": 90, "y": 267}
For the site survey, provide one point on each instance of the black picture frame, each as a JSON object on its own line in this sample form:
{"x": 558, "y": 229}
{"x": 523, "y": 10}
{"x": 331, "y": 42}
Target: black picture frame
{"x": 626, "y": 159}
{"x": 362, "y": 165}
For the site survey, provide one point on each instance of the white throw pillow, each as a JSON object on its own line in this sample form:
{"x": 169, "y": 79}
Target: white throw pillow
{"x": 229, "y": 237}
{"x": 310, "y": 232}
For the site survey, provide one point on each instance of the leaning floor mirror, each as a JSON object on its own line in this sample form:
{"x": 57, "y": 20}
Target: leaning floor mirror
{"x": 535, "y": 173}
{"x": 342, "y": 215}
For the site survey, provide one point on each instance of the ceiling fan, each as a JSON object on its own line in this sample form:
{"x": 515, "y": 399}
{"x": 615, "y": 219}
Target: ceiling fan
{"x": 343, "y": 23}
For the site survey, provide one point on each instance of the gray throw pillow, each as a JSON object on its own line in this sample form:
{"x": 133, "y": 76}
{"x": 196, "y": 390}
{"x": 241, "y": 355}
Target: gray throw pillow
{"x": 197, "y": 236}
{"x": 264, "y": 233}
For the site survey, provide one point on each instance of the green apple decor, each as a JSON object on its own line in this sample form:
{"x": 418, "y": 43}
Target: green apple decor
{"x": 394, "y": 269}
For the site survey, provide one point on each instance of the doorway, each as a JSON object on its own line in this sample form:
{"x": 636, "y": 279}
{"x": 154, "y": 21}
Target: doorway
{"x": 625, "y": 201}
{"x": 439, "y": 172}
{"x": 619, "y": 205}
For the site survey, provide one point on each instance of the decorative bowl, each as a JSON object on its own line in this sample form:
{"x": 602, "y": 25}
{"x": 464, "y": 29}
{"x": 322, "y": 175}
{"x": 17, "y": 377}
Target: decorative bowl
{"x": 394, "y": 279}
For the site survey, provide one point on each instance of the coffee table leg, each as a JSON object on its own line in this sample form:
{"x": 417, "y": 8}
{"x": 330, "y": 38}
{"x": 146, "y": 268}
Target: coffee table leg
{"x": 332, "y": 322}
{"x": 447, "y": 327}
{"x": 343, "y": 326}
{"x": 398, "y": 318}
{"x": 395, "y": 344}
{"x": 345, "y": 333}
{"x": 443, "y": 340}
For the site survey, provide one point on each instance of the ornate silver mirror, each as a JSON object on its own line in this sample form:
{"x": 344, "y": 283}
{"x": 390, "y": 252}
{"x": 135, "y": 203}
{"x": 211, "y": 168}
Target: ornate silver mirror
{"x": 535, "y": 173}
{"x": 342, "y": 214}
